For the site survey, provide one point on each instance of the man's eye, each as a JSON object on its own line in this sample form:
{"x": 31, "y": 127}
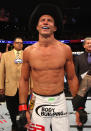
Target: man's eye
{"x": 49, "y": 20}
{"x": 42, "y": 19}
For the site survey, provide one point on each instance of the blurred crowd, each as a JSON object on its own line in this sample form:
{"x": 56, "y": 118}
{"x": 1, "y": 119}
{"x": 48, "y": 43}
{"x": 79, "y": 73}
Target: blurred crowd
{"x": 11, "y": 24}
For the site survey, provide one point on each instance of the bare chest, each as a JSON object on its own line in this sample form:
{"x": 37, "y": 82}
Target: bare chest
{"x": 47, "y": 59}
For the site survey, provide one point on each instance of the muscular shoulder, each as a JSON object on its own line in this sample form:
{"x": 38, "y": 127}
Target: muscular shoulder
{"x": 65, "y": 47}
{"x": 30, "y": 48}
{"x": 67, "y": 51}
{"x": 28, "y": 51}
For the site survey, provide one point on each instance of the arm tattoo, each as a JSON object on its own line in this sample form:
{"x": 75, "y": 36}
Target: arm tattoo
{"x": 32, "y": 103}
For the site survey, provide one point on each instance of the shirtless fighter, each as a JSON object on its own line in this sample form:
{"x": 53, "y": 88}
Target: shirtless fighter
{"x": 47, "y": 60}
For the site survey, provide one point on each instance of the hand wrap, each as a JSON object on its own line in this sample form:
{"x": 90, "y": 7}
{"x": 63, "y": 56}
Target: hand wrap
{"x": 78, "y": 101}
{"x": 21, "y": 118}
{"x": 79, "y": 105}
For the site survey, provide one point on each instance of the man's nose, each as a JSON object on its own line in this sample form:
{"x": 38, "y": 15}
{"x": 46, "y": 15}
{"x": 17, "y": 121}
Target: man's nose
{"x": 45, "y": 22}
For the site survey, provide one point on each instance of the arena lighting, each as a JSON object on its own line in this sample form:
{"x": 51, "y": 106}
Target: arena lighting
{"x": 32, "y": 42}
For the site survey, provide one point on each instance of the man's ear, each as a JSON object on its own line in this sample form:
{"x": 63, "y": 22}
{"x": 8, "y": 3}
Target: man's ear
{"x": 37, "y": 27}
{"x": 55, "y": 28}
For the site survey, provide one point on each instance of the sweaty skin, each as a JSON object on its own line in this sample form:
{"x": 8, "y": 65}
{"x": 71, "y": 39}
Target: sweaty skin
{"x": 47, "y": 69}
{"x": 47, "y": 66}
{"x": 46, "y": 62}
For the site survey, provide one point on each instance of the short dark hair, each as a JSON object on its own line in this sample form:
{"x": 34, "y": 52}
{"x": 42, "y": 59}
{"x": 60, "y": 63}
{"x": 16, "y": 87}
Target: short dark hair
{"x": 42, "y": 9}
{"x": 17, "y": 38}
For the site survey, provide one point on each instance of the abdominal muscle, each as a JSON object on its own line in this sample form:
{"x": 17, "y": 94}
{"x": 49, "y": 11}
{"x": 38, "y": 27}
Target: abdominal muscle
{"x": 49, "y": 82}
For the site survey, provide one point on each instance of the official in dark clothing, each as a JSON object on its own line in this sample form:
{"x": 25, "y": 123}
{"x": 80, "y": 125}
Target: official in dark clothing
{"x": 83, "y": 71}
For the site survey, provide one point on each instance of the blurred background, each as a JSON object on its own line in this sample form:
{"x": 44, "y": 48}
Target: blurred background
{"x": 14, "y": 19}
{"x": 18, "y": 17}
{"x": 76, "y": 20}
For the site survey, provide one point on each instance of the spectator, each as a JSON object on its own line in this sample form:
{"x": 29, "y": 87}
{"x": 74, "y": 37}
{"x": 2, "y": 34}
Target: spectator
{"x": 10, "y": 72}
{"x": 81, "y": 61}
{"x": 3, "y": 16}
{"x": 83, "y": 71}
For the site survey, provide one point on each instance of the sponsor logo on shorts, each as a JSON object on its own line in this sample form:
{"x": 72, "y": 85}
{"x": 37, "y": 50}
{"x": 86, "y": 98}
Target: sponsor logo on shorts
{"x": 49, "y": 111}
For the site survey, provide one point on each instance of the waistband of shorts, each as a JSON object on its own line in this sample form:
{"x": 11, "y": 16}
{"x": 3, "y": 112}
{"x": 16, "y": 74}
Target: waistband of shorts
{"x": 50, "y": 95}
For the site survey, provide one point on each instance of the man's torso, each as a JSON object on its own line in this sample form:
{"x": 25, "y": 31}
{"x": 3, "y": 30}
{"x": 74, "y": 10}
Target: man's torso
{"x": 47, "y": 65}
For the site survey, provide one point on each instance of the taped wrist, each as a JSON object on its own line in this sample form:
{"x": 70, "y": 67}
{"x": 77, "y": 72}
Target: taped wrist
{"x": 21, "y": 118}
{"x": 23, "y": 107}
{"x": 78, "y": 102}
{"x": 80, "y": 108}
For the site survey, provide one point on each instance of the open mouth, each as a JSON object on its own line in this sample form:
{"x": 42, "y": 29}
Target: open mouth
{"x": 45, "y": 27}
